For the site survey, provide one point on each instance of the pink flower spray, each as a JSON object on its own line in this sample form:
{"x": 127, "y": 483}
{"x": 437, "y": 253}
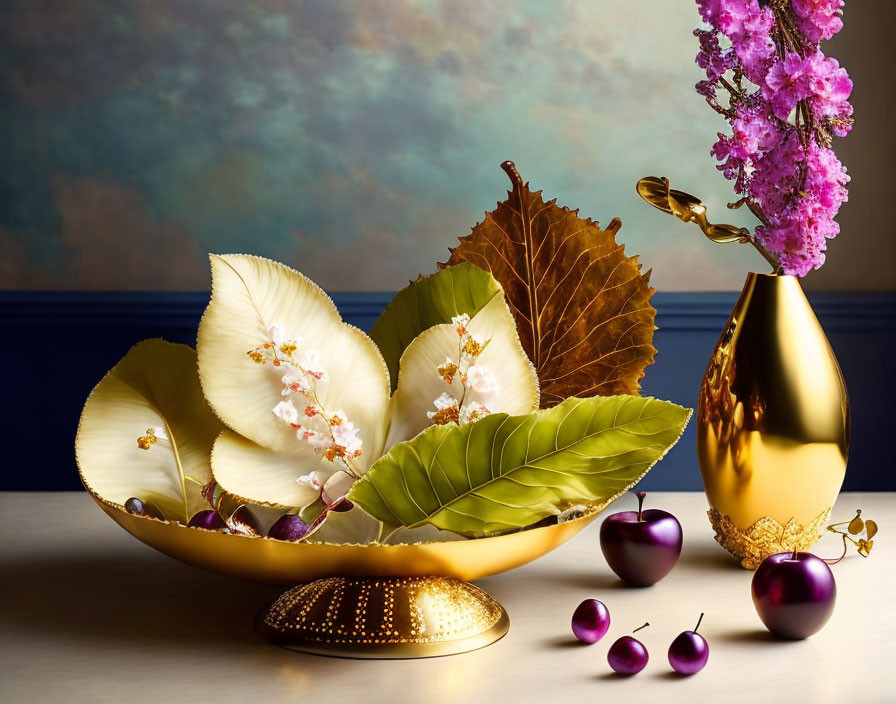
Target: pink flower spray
{"x": 784, "y": 101}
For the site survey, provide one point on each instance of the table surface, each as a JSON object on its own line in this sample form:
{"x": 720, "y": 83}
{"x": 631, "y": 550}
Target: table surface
{"x": 89, "y": 614}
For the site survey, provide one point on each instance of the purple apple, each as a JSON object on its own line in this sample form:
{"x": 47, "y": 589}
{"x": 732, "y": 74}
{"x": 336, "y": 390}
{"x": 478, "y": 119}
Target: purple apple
{"x": 590, "y": 621}
{"x": 689, "y": 651}
{"x": 628, "y": 656}
{"x": 641, "y": 546}
{"x": 794, "y": 594}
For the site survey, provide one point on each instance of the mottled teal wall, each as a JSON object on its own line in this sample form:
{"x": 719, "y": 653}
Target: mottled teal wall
{"x": 353, "y": 140}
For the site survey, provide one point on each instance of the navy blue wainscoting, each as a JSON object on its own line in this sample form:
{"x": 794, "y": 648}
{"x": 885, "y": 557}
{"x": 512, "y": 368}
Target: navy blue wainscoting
{"x": 54, "y": 347}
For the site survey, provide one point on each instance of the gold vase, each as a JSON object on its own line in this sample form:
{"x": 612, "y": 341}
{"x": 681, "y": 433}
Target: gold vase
{"x": 772, "y": 424}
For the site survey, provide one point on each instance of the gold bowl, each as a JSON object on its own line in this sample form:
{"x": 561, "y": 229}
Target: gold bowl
{"x": 279, "y": 562}
{"x": 368, "y": 601}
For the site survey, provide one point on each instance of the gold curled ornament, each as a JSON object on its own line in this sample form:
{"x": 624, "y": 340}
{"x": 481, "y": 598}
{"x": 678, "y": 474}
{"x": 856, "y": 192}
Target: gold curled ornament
{"x": 687, "y": 208}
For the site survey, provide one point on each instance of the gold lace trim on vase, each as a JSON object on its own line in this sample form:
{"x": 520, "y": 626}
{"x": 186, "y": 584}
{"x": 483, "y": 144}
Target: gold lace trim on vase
{"x": 765, "y": 537}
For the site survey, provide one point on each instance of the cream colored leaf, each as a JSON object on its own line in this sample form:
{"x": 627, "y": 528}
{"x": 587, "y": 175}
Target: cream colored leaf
{"x": 259, "y": 475}
{"x": 419, "y": 384}
{"x": 353, "y": 527}
{"x": 356, "y": 527}
{"x": 337, "y": 486}
{"x": 251, "y": 294}
{"x": 154, "y": 387}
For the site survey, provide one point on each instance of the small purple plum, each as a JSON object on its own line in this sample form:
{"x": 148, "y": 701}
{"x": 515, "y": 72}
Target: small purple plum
{"x": 590, "y": 621}
{"x": 288, "y": 527}
{"x": 208, "y": 519}
{"x": 135, "y": 506}
{"x": 689, "y": 651}
{"x": 138, "y": 507}
{"x": 628, "y": 656}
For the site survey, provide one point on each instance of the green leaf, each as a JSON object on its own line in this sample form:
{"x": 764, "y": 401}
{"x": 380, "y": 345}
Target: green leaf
{"x": 428, "y": 301}
{"x": 506, "y": 472}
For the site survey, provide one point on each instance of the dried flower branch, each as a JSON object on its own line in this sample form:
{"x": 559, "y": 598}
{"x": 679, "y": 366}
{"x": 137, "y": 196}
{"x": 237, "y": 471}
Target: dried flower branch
{"x": 329, "y": 432}
{"x": 472, "y": 377}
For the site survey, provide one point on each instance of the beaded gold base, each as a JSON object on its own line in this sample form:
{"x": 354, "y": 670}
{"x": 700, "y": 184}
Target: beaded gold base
{"x": 384, "y": 617}
{"x": 765, "y": 537}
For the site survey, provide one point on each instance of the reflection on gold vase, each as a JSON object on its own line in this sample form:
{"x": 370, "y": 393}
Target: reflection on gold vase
{"x": 772, "y": 424}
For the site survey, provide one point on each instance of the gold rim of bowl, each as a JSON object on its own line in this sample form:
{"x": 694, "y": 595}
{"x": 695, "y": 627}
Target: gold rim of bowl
{"x": 261, "y": 559}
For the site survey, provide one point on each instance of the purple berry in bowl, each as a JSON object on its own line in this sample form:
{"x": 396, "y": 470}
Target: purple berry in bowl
{"x": 288, "y": 527}
{"x": 135, "y": 506}
{"x": 689, "y": 651}
{"x": 208, "y": 519}
{"x": 590, "y": 621}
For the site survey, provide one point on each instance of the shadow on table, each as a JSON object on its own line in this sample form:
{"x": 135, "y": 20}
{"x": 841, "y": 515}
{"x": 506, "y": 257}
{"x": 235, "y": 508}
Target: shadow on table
{"x": 566, "y": 643}
{"x": 754, "y": 635}
{"x": 709, "y": 556}
{"x": 593, "y": 580}
{"x": 141, "y": 599}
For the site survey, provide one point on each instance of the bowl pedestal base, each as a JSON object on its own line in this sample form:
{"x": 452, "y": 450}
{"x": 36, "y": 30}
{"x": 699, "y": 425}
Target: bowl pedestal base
{"x": 384, "y": 617}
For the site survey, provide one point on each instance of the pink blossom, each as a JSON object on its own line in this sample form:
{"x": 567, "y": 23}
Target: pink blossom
{"x": 829, "y": 87}
{"x": 712, "y": 58}
{"x": 787, "y": 83}
{"x": 803, "y": 219}
{"x": 728, "y": 16}
{"x": 753, "y": 44}
{"x": 754, "y": 132}
{"x": 776, "y": 162}
{"x": 818, "y": 19}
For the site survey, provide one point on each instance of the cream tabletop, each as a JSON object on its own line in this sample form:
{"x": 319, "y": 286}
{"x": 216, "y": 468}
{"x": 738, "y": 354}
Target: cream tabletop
{"x": 89, "y": 614}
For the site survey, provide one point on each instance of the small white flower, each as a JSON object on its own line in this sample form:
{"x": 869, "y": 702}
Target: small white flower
{"x": 285, "y": 411}
{"x": 480, "y": 378}
{"x": 160, "y": 433}
{"x": 294, "y": 383}
{"x": 312, "y": 479}
{"x": 445, "y": 401}
{"x": 441, "y": 403}
{"x": 320, "y": 441}
{"x": 312, "y": 365}
{"x": 460, "y": 321}
{"x": 346, "y": 435}
{"x": 472, "y": 412}
{"x": 285, "y": 346}
{"x": 277, "y": 333}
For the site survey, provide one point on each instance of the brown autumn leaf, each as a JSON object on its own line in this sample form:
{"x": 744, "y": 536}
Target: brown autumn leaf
{"x": 582, "y": 307}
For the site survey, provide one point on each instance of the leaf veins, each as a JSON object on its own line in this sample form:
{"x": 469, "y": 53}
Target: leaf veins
{"x": 582, "y": 307}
